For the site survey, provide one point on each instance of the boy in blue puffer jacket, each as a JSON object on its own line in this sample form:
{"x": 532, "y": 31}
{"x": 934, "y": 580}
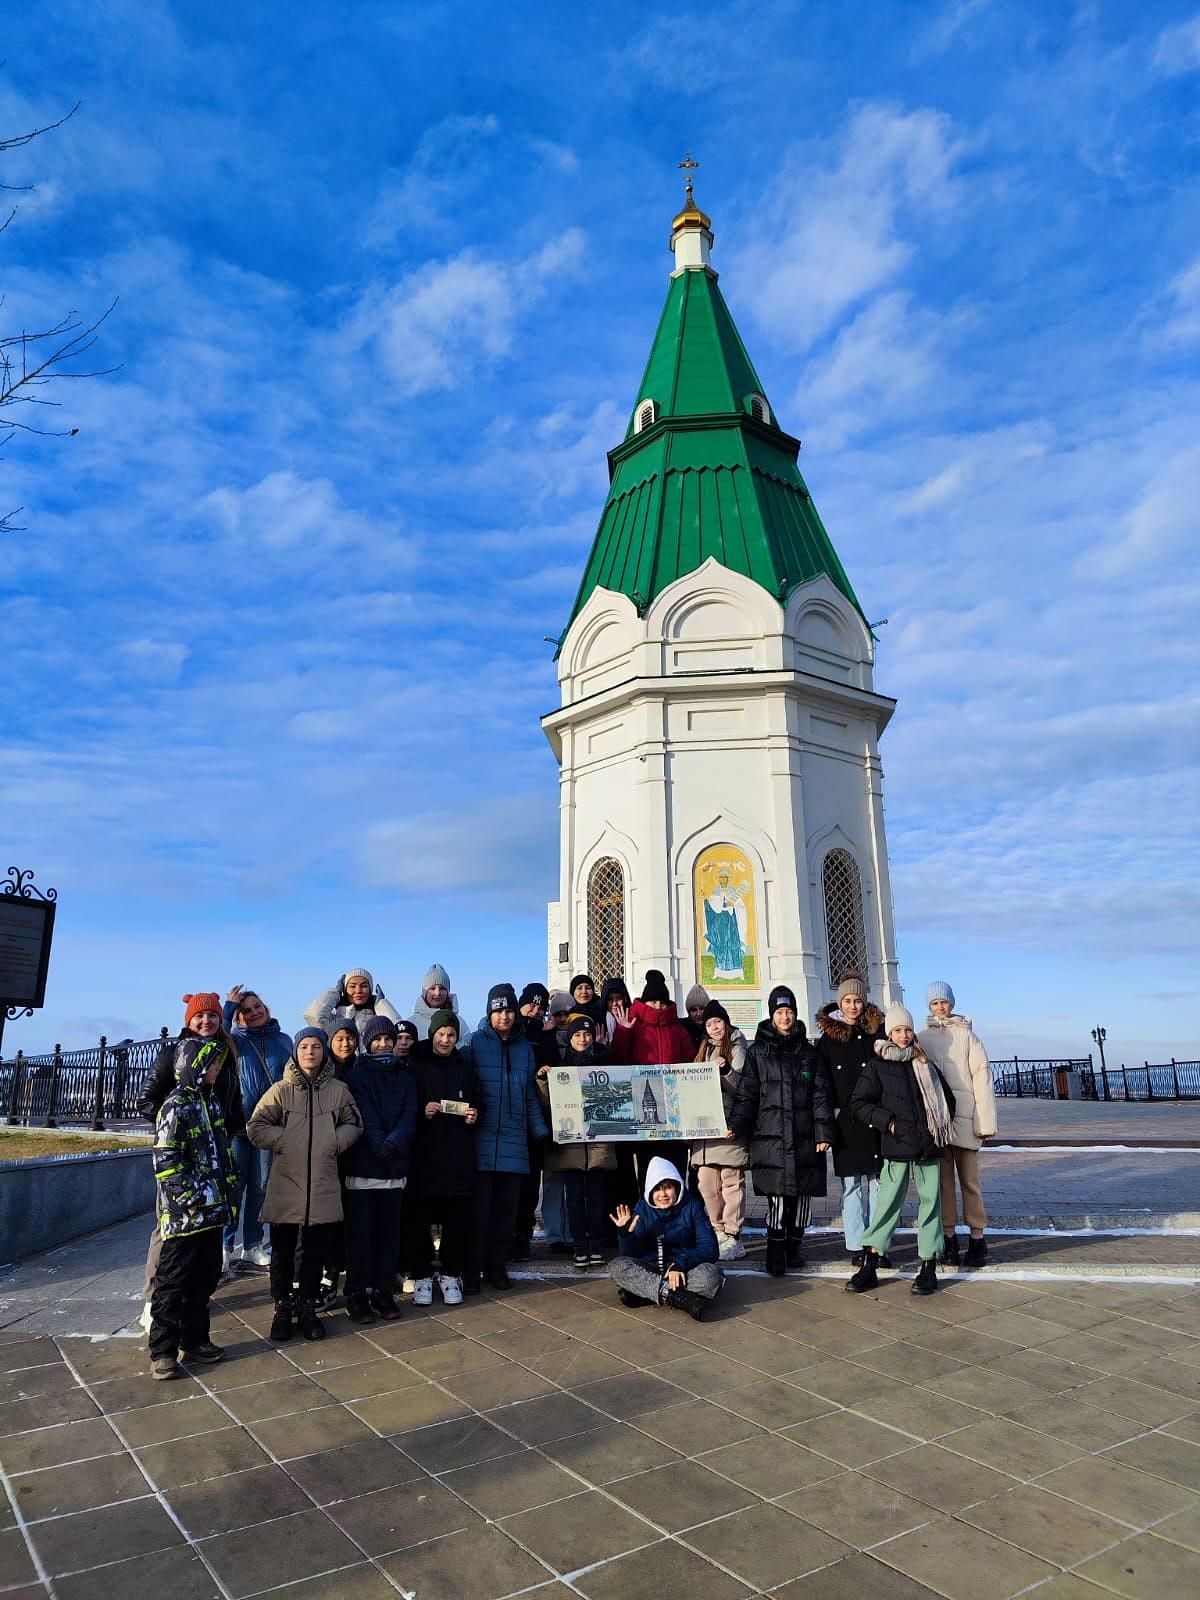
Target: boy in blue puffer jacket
{"x": 374, "y": 1174}
{"x": 668, "y": 1248}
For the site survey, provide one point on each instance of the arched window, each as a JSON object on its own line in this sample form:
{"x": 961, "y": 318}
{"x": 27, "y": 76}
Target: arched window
{"x": 758, "y": 408}
{"x": 606, "y": 920}
{"x": 845, "y": 933}
{"x": 647, "y": 415}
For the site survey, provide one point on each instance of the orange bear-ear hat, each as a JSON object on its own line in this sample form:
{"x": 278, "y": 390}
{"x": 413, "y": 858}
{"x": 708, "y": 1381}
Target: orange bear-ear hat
{"x": 196, "y": 1003}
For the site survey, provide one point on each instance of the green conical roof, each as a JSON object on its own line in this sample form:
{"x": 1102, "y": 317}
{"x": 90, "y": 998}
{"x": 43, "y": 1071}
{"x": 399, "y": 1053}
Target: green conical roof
{"x": 712, "y": 475}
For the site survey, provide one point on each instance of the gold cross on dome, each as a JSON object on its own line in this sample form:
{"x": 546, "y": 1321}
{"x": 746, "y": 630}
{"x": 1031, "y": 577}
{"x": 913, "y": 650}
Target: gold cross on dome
{"x": 689, "y": 166}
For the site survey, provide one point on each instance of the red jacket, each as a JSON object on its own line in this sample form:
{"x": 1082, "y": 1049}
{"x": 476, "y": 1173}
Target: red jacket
{"x": 657, "y": 1038}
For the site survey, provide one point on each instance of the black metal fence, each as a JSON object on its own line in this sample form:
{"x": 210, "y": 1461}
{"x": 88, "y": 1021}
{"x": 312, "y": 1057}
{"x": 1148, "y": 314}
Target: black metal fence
{"x": 93, "y": 1087}
{"x": 1051, "y": 1080}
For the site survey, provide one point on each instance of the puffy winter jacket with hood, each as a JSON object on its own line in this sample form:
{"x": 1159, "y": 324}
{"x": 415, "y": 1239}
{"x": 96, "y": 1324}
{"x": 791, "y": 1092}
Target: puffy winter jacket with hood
{"x": 655, "y": 1037}
{"x": 196, "y": 1177}
{"x": 386, "y": 1096}
{"x": 335, "y": 1002}
{"x": 511, "y": 1114}
{"x": 262, "y": 1055}
{"x": 845, "y": 1048}
{"x": 443, "y": 1157}
{"x": 887, "y": 1098}
{"x": 683, "y": 1231}
{"x": 783, "y": 1110}
{"x": 953, "y": 1048}
{"x": 724, "y": 1152}
{"x": 162, "y": 1081}
{"x": 306, "y": 1124}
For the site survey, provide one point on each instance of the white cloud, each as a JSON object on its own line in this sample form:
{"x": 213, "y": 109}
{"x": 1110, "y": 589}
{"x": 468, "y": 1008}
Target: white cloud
{"x": 878, "y": 363}
{"x": 1165, "y": 520}
{"x": 162, "y": 657}
{"x": 1183, "y": 325}
{"x": 284, "y": 511}
{"x": 433, "y": 327}
{"x": 831, "y": 237}
{"x": 503, "y": 850}
{"x": 450, "y": 159}
{"x": 1177, "y": 49}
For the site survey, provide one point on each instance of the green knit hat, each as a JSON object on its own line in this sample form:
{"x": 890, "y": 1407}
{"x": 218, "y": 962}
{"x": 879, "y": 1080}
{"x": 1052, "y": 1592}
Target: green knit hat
{"x": 445, "y": 1018}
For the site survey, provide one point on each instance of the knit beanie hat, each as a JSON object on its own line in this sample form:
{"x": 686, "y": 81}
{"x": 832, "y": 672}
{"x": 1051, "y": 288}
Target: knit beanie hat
{"x": 897, "y": 1016}
{"x": 781, "y": 995}
{"x": 697, "y": 995}
{"x": 445, "y": 1018}
{"x": 939, "y": 991}
{"x": 580, "y": 977}
{"x": 410, "y": 1028}
{"x": 502, "y": 997}
{"x": 561, "y": 1003}
{"x": 655, "y": 987}
{"x": 196, "y": 1003}
{"x": 310, "y": 1033}
{"x": 580, "y": 1022}
{"x": 436, "y": 978}
{"x": 535, "y": 994}
{"x": 852, "y": 986}
{"x": 714, "y": 1008}
{"x": 358, "y": 972}
{"x": 344, "y": 1025}
{"x": 377, "y": 1028}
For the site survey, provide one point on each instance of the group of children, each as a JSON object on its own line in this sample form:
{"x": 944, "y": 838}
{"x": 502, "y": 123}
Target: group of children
{"x": 373, "y": 1144}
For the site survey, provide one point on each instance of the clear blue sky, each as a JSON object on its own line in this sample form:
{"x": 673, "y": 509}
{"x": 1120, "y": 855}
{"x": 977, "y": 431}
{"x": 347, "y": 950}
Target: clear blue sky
{"x": 274, "y": 631}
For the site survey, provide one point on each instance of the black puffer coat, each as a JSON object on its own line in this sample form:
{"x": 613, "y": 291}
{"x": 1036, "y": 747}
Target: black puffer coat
{"x": 443, "y": 1153}
{"x": 783, "y": 1110}
{"x": 845, "y": 1048}
{"x": 161, "y": 1083}
{"x": 887, "y": 1092}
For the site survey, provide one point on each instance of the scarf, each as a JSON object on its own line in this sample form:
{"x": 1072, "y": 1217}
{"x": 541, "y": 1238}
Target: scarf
{"x": 933, "y": 1097}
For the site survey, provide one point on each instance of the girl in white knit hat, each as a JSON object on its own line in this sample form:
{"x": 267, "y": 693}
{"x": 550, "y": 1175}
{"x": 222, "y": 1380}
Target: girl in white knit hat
{"x": 951, "y": 1044}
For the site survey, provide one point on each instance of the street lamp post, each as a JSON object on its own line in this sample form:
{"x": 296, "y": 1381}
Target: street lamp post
{"x": 1099, "y": 1034}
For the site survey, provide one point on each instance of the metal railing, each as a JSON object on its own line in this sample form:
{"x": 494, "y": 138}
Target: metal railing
{"x": 72, "y": 1087}
{"x": 1049, "y": 1080}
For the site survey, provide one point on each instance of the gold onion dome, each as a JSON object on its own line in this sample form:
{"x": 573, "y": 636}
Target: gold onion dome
{"x": 691, "y": 215}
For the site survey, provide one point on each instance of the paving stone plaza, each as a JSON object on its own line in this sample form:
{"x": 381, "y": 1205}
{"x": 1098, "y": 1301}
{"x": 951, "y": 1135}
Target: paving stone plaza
{"x": 1033, "y": 1429}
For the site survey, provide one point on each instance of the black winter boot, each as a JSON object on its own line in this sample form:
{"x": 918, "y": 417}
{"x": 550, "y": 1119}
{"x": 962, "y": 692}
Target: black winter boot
{"x": 281, "y": 1322}
{"x": 776, "y": 1254}
{"x": 950, "y": 1249}
{"x": 687, "y": 1300}
{"x": 866, "y": 1277}
{"x": 925, "y": 1281}
{"x": 358, "y": 1309}
{"x": 308, "y": 1321}
{"x": 383, "y": 1304}
{"x": 795, "y": 1252}
{"x": 976, "y": 1254}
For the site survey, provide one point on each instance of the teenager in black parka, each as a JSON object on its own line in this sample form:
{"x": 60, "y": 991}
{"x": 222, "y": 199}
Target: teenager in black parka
{"x": 848, "y": 1031}
{"x": 784, "y": 1111}
{"x": 443, "y": 1161}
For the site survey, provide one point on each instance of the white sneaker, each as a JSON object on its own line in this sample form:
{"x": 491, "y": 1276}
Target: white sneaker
{"x": 452, "y": 1293}
{"x": 731, "y": 1249}
{"x": 260, "y": 1256}
{"x": 229, "y": 1261}
{"x": 409, "y": 1286}
{"x": 422, "y": 1291}
{"x": 144, "y": 1319}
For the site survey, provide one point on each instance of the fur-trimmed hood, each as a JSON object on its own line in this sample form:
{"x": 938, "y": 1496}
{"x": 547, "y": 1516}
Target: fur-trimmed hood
{"x": 831, "y": 1022}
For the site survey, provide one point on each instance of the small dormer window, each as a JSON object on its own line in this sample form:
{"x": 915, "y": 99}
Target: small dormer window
{"x": 646, "y": 417}
{"x": 758, "y": 408}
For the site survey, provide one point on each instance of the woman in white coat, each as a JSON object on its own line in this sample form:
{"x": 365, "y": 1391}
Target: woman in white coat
{"x": 951, "y": 1044}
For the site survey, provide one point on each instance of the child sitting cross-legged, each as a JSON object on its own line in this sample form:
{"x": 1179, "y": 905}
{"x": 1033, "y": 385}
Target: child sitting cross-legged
{"x": 668, "y": 1247}
{"x": 906, "y": 1100}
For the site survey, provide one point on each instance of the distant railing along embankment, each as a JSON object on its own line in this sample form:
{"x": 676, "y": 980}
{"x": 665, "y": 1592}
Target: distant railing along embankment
{"x": 93, "y": 1088}
{"x": 1079, "y": 1078}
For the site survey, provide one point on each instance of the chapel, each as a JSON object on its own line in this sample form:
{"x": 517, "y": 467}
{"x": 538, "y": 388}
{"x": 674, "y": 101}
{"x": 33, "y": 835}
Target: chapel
{"x": 721, "y": 804}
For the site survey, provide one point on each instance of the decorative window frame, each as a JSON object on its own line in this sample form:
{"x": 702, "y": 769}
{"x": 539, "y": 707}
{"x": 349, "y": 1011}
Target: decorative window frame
{"x": 642, "y": 421}
{"x": 609, "y": 863}
{"x": 755, "y": 405}
{"x": 859, "y": 959}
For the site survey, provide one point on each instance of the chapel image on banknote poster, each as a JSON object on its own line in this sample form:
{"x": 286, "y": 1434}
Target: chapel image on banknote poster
{"x": 726, "y": 919}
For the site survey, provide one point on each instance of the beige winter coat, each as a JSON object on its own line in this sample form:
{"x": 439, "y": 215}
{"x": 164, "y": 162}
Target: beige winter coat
{"x": 959, "y": 1056}
{"x": 724, "y": 1152}
{"x": 306, "y": 1126}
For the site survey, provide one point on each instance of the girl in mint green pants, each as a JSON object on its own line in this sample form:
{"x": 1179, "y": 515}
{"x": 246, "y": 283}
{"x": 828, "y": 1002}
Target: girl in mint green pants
{"x": 905, "y": 1098}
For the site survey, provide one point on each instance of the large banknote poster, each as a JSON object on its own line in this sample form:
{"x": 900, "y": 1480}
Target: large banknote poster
{"x": 609, "y": 1102}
